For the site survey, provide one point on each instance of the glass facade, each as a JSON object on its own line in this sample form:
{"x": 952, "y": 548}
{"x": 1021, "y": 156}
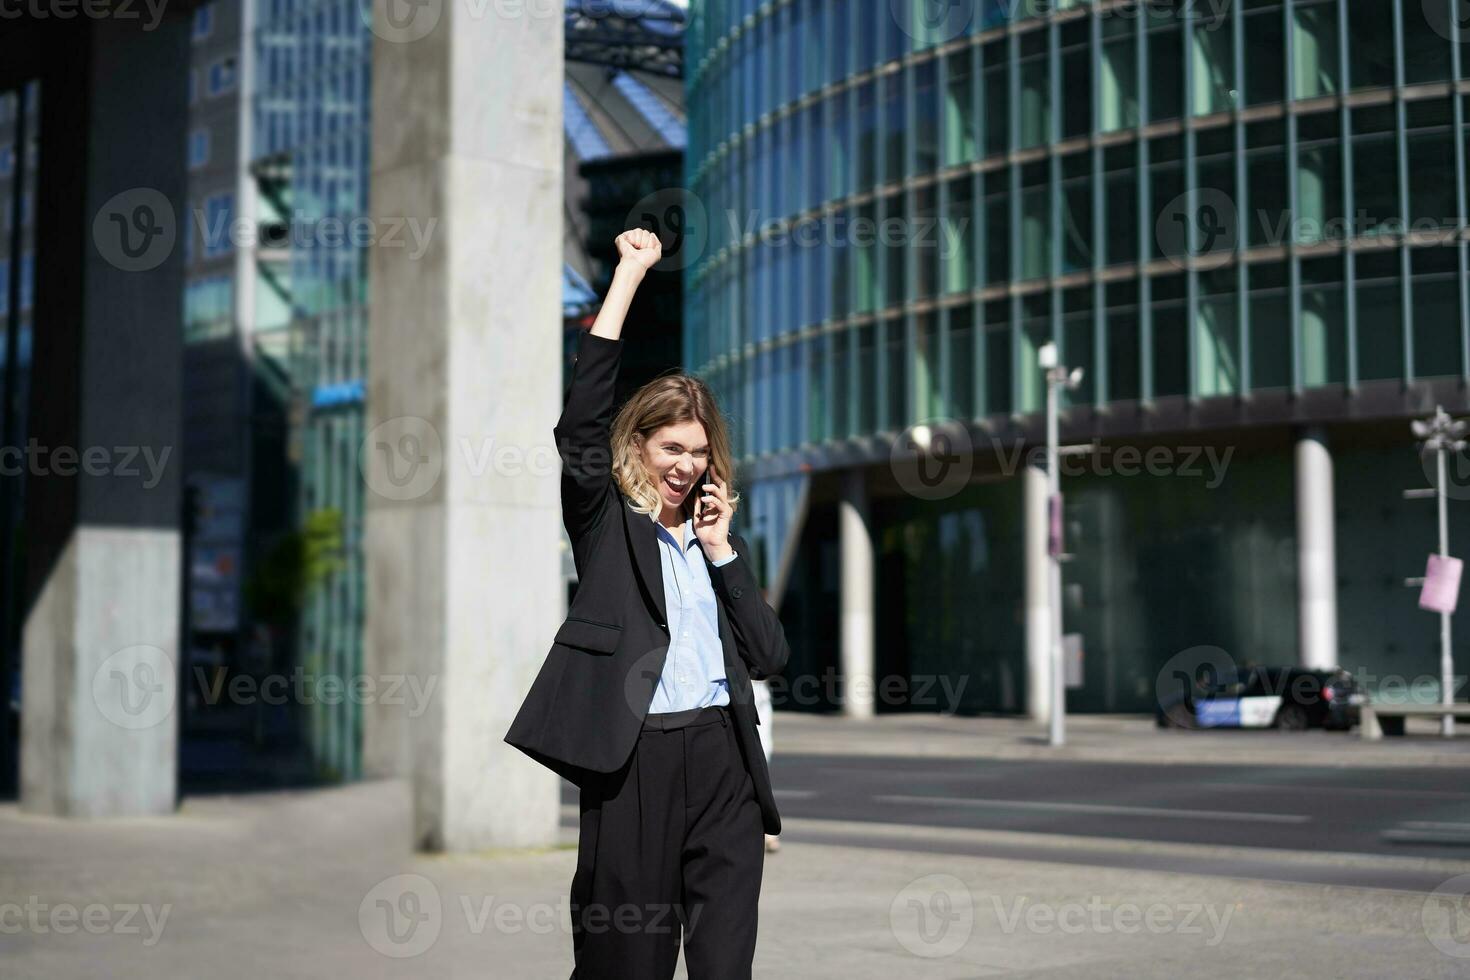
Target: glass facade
{"x": 1205, "y": 206}
{"x": 1190, "y": 199}
{"x": 312, "y": 126}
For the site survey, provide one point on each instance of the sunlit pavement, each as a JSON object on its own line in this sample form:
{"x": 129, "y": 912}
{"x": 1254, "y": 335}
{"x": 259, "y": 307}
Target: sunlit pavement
{"x": 322, "y": 884}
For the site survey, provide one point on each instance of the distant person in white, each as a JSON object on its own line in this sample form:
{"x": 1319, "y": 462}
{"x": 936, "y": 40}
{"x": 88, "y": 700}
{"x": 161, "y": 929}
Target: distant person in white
{"x": 762, "y": 691}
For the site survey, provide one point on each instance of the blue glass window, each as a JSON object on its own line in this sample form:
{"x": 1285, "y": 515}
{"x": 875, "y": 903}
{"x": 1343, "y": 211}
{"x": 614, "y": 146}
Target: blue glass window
{"x": 203, "y": 21}
{"x": 222, "y": 76}
{"x": 651, "y": 108}
{"x": 218, "y": 213}
{"x": 198, "y": 148}
{"x": 587, "y": 141}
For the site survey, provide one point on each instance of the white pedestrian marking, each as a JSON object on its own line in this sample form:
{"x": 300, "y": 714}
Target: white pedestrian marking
{"x": 1152, "y": 811}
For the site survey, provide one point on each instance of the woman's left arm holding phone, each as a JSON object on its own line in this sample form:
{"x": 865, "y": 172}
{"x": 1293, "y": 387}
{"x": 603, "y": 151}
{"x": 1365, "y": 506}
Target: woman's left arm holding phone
{"x": 759, "y": 636}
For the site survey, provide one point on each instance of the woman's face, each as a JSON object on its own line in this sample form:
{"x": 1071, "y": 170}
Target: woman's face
{"x": 676, "y": 456}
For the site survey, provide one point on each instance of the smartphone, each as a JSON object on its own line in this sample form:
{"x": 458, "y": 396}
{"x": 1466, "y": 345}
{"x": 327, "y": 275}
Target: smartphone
{"x": 706, "y": 477}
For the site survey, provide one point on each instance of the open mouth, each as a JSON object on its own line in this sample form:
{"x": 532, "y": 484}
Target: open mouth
{"x": 676, "y": 486}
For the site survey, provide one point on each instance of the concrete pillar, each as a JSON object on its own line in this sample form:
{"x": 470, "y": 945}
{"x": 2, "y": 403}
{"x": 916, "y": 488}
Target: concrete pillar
{"x": 99, "y": 718}
{"x": 1038, "y": 604}
{"x": 855, "y": 538}
{"x": 462, "y": 508}
{"x": 1316, "y": 555}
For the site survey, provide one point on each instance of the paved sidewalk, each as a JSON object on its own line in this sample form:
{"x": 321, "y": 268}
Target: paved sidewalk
{"x": 1110, "y": 738}
{"x": 321, "y": 884}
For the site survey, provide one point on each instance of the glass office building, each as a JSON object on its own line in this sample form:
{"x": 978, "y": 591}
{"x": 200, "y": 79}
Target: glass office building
{"x": 312, "y": 130}
{"x": 1243, "y": 219}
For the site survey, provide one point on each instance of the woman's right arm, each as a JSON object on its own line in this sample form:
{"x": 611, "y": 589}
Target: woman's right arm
{"x": 583, "y": 432}
{"x": 638, "y": 251}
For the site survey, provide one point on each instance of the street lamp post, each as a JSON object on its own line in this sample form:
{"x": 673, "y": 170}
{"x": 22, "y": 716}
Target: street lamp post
{"x": 1057, "y": 377}
{"x": 1442, "y": 435}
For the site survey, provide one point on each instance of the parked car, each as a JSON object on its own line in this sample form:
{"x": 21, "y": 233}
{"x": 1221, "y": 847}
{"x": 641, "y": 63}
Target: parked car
{"x": 1288, "y": 698}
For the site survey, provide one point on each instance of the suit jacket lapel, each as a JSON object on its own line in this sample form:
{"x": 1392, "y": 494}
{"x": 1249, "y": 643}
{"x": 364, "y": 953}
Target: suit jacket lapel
{"x": 643, "y": 540}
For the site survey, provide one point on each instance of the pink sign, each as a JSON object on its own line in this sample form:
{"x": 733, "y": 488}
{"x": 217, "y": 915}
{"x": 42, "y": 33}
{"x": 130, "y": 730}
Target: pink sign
{"x": 1441, "y": 584}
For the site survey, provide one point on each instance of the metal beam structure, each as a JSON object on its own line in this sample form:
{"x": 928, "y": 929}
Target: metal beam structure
{"x": 651, "y": 41}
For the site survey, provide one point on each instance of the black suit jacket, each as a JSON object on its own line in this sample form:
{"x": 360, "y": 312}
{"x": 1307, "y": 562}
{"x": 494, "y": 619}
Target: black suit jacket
{"x": 586, "y": 707}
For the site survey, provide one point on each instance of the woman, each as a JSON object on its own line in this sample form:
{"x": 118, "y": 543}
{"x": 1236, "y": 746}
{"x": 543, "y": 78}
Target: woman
{"x": 644, "y": 701}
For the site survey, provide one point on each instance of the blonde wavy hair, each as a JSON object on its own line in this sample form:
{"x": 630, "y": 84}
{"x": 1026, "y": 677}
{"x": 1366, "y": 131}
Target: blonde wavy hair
{"x": 670, "y": 399}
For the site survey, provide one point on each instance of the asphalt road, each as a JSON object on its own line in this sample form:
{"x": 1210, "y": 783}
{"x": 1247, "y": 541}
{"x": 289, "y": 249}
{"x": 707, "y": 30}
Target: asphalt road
{"x": 1416, "y": 813}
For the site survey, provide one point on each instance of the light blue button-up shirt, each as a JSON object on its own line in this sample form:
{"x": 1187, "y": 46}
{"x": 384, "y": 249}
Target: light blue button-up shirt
{"x": 694, "y": 672}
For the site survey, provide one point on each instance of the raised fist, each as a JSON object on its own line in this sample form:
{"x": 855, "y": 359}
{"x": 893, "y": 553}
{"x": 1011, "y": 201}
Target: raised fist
{"x": 639, "y": 247}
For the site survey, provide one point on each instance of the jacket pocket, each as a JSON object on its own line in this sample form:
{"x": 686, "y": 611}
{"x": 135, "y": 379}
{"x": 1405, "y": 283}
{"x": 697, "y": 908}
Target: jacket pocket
{"x": 584, "y": 634}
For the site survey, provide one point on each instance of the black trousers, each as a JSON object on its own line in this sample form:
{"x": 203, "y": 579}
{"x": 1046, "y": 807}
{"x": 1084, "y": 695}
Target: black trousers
{"x": 670, "y": 843}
